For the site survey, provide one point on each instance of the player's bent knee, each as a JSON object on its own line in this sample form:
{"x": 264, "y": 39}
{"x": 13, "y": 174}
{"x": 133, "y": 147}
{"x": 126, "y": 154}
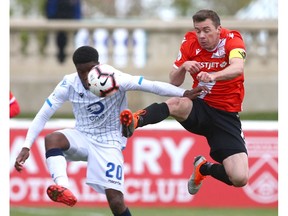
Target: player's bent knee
{"x": 240, "y": 181}
{"x": 173, "y": 102}
{"x": 179, "y": 107}
{"x": 56, "y": 140}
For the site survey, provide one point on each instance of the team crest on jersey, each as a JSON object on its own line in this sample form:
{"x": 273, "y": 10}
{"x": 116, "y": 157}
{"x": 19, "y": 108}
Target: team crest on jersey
{"x": 220, "y": 51}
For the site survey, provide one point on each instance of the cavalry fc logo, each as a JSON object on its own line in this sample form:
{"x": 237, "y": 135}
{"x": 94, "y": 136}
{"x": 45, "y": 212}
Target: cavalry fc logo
{"x": 263, "y": 155}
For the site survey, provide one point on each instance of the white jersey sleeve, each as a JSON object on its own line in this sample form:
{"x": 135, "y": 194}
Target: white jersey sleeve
{"x": 52, "y": 103}
{"x": 128, "y": 82}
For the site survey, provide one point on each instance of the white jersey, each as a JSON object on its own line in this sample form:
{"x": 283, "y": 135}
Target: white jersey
{"x": 97, "y": 118}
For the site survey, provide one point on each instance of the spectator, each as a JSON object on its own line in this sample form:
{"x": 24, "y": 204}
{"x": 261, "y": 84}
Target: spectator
{"x": 63, "y": 9}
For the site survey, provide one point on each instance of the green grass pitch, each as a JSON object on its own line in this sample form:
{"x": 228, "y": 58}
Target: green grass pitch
{"x": 24, "y": 211}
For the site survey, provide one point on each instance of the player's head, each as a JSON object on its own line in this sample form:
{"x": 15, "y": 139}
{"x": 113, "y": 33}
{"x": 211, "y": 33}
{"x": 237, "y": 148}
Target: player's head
{"x": 85, "y": 54}
{"x": 208, "y": 27}
{"x": 202, "y": 15}
{"x": 84, "y": 59}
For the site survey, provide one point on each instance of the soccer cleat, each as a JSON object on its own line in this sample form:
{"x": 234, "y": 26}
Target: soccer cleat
{"x": 61, "y": 194}
{"x": 129, "y": 121}
{"x": 195, "y": 181}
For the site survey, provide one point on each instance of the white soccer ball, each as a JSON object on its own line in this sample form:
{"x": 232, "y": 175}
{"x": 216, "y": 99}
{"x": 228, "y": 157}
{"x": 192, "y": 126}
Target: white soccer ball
{"x": 102, "y": 83}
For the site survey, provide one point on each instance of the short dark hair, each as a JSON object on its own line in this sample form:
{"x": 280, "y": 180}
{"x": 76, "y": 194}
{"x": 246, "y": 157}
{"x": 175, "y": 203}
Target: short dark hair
{"x": 202, "y": 15}
{"x": 85, "y": 54}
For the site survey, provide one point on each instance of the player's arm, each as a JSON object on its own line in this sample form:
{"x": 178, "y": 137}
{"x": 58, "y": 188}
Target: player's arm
{"x": 177, "y": 74}
{"x": 139, "y": 83}
{"x": 185, "y": 62}
{"x": 52, "y": 103}
{"x": 235, "y": 68}
{"x": 160, "y": 88}
{"x": 35, "y": 128}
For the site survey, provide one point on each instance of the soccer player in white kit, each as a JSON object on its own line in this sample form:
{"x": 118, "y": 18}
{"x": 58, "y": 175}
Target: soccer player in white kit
{"x": 96, "y": 137}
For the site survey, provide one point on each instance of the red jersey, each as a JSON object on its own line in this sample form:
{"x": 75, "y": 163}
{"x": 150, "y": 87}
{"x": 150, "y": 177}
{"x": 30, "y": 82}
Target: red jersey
{"x": 14, "y": 106}
{"x": 227, "y": 94}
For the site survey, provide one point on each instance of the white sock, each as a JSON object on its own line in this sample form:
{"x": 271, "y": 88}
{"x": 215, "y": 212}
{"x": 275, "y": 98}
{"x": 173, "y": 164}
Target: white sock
{"x": 57, "y": 166}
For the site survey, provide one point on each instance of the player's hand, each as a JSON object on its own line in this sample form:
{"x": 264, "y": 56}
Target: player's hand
{"x": 192, "y": 67}
{"x": 21, "y": 158}
{"x": 194, "y": 93}
{"x": 205, "y": 77}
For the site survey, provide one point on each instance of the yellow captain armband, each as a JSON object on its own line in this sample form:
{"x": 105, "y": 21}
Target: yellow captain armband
{"x": 237, "y": 53}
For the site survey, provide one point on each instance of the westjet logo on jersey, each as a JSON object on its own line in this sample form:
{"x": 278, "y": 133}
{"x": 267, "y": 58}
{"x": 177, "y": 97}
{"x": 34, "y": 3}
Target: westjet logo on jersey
{"x": 213, "y": 65}
{"x": 96, "y": 109}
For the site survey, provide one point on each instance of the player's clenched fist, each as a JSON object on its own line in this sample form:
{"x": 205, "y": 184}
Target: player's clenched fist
{"x": 192, "y": 66}
{"x": 194, "y": 93}
{"x": 205, "y": 77}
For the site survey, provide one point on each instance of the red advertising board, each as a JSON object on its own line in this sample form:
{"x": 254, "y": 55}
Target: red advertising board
{"x": 158, "y": 163}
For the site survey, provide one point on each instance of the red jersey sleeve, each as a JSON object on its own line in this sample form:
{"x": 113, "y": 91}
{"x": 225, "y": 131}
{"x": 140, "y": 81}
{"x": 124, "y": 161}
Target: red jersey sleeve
{"x": 234, "y": 41}
{"x": 14, "y": 106}
{"x": 186, "y": 45}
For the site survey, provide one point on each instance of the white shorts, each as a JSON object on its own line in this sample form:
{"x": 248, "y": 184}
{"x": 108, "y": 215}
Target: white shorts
{"x": 105, "y": 164}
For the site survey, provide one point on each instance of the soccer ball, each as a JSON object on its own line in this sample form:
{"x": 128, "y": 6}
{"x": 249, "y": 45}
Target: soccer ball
{"x": 102, "y": 83}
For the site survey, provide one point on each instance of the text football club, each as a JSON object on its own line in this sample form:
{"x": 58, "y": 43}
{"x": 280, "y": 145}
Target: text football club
{"x": 158, "y": 164}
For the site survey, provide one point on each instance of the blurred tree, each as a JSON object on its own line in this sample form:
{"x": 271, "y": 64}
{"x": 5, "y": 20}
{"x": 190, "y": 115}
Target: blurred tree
{"x": 134, "y": 8}
{"x": 226, "y": 7}
{"x": 100, "y": 8}
{"x": 186, "y": 8}
{"x": 183, "y": 6}
{"x": 25, "y": 8}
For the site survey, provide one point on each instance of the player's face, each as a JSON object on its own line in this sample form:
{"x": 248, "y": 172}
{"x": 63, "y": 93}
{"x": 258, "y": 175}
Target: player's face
{"x": 83, "y": 70}
{"x": 208, "y": 35}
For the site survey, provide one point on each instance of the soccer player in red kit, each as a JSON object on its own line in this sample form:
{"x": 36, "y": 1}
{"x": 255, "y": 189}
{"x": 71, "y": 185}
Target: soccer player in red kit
{"x": 214, "y": 57}
{"x": 14, "y": 106}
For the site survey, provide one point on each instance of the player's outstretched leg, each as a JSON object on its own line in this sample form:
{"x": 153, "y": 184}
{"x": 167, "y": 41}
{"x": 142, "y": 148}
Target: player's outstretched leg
{"x": 130, "y": 121}
{"x": 152, "y": 114}
{"x": 61, "y": 194}
{"x": 195, "y": 181}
